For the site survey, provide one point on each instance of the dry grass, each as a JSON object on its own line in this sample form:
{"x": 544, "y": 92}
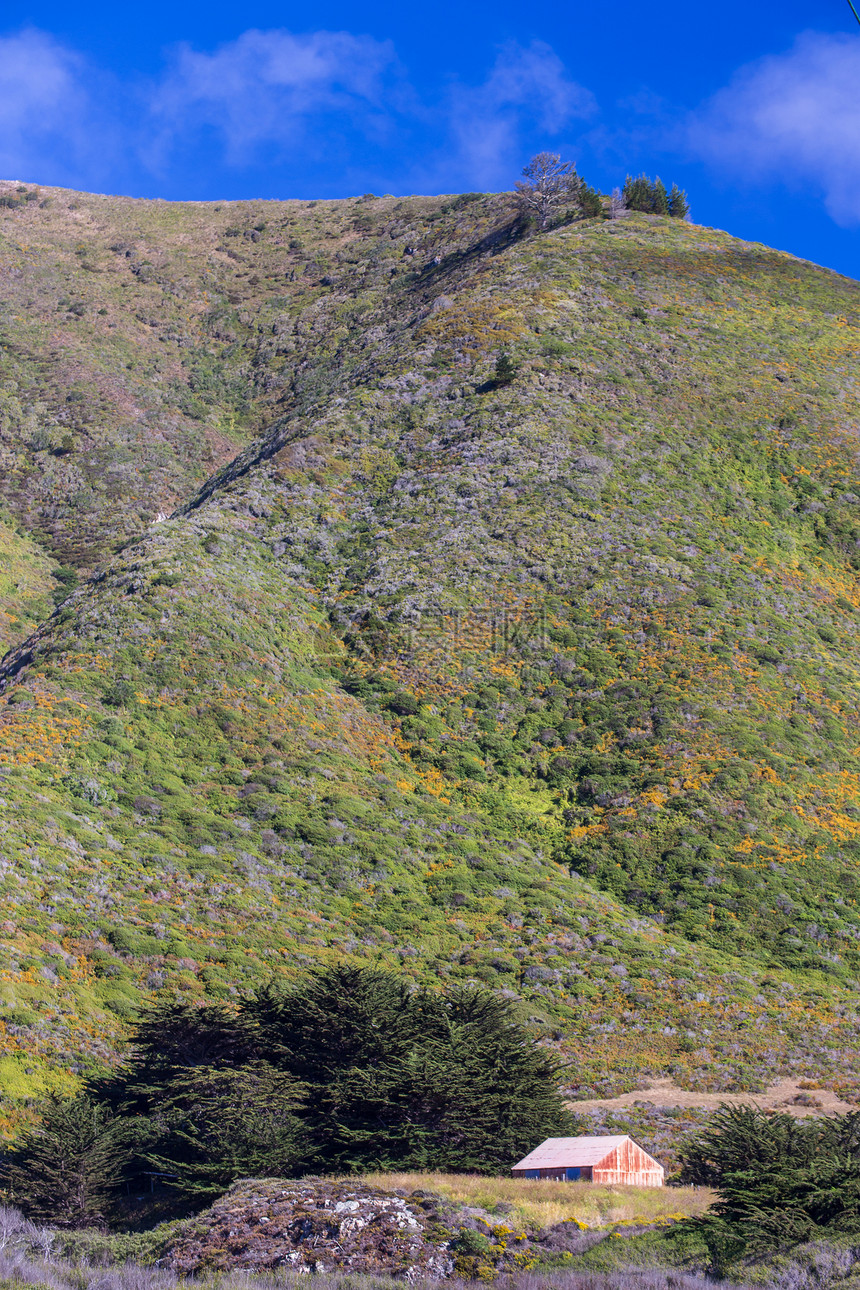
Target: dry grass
{"x": 539, "y": 1203}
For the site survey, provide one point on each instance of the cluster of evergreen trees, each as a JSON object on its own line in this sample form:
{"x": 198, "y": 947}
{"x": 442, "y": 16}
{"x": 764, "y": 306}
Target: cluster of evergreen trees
{"x": 780, "y": 1181}
{"x": 351, "y": 1070}
{"x": 650, "y": 196}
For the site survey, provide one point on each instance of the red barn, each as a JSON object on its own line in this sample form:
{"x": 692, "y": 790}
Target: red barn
{"x": 616, "y": 1159}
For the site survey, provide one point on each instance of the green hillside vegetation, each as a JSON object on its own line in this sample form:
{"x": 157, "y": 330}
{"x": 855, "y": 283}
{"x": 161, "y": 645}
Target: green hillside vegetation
{"x": 545, "y": 683}
{"x": 26, "y": 584}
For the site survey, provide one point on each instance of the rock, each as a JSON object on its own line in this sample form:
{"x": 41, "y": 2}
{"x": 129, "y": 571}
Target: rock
{"x": 314, "y": 1225}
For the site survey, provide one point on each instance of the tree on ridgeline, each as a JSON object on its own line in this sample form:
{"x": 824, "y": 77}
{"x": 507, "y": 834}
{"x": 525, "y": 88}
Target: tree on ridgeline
{"x": 548, "y": 185}
{"x": 650, "y": 197}
{"x": 679, "y": 207}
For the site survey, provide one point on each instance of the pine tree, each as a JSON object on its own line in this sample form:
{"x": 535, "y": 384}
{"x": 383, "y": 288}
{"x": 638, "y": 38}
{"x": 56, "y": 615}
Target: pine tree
{"x": 650, "y": 197}
{"x": 590, "y": 202}
{"x": 637, "y": 193}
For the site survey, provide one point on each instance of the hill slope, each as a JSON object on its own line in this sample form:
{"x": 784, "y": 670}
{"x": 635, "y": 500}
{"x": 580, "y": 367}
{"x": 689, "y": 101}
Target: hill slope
{"x": 550, "y": 685}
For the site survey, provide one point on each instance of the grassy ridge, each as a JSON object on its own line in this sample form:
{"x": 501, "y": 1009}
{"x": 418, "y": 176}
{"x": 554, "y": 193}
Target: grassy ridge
{"x": 548, "y": 685}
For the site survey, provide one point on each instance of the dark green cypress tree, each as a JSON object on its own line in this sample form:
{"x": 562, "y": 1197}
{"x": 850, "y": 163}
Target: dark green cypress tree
{"x": 404, "y": 1078}
{"x": 779, "y": 1181}
{"x": 679, "y": 207}
{"x": 354, "y": 1037}
{"x": 214, "y": 1126}
{"x": 354, "y": 1068}
{"x": 659, "y": 198}
{"x": 738, "y": 1137}
{"x": 172, "y": 1038}
{"x": 335, "y": 1018}
{"x": 500, "y": 1090}
{"x": 69, "y": 1169}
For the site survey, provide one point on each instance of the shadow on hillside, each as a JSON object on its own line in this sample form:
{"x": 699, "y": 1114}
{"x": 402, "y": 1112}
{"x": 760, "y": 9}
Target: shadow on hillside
{"x": 499, "y": 239}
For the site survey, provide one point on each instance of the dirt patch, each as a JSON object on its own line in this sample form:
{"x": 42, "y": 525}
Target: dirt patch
{"x": 794, "y": 1097}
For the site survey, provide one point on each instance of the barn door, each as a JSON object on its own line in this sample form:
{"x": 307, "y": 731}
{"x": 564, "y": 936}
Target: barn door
{"x": 572, "y": 1173}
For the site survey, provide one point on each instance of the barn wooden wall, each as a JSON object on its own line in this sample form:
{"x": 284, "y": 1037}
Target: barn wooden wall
{"x": 630, "y": 1165}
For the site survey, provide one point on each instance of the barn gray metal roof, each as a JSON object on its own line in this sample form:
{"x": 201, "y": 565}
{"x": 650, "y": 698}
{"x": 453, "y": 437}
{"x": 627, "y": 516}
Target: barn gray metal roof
{"x": 561, "y": 1153}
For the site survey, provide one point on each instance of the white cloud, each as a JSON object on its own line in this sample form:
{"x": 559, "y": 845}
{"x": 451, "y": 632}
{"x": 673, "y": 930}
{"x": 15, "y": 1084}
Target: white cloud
{"x": 44, "y": 109}
{"x": 263, "y": 86}
{"x": 795, "y": 116}
{"x": 526, "y": 88}
{"x": 313, "y": 101}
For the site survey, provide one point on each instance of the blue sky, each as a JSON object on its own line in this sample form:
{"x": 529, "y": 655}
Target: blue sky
{"x": 754, "y": 108}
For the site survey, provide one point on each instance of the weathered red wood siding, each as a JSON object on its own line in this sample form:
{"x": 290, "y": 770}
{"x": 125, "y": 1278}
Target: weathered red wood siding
{"x": 630, "y": 1165}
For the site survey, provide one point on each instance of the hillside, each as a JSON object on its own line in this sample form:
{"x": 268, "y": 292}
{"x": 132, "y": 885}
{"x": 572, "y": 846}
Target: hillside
{"x": 550, "y": 685}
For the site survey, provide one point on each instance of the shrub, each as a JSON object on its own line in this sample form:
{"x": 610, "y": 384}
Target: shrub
{"x": 119, "y": 694}
{"x": 506, "y": 369}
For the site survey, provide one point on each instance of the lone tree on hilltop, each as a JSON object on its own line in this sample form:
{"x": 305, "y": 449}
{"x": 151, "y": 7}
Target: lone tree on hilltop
{"x": 548, "y": 183}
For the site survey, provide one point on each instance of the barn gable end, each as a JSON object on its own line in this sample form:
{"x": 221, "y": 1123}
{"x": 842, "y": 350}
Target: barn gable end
{"x": 630, "y": 1165}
